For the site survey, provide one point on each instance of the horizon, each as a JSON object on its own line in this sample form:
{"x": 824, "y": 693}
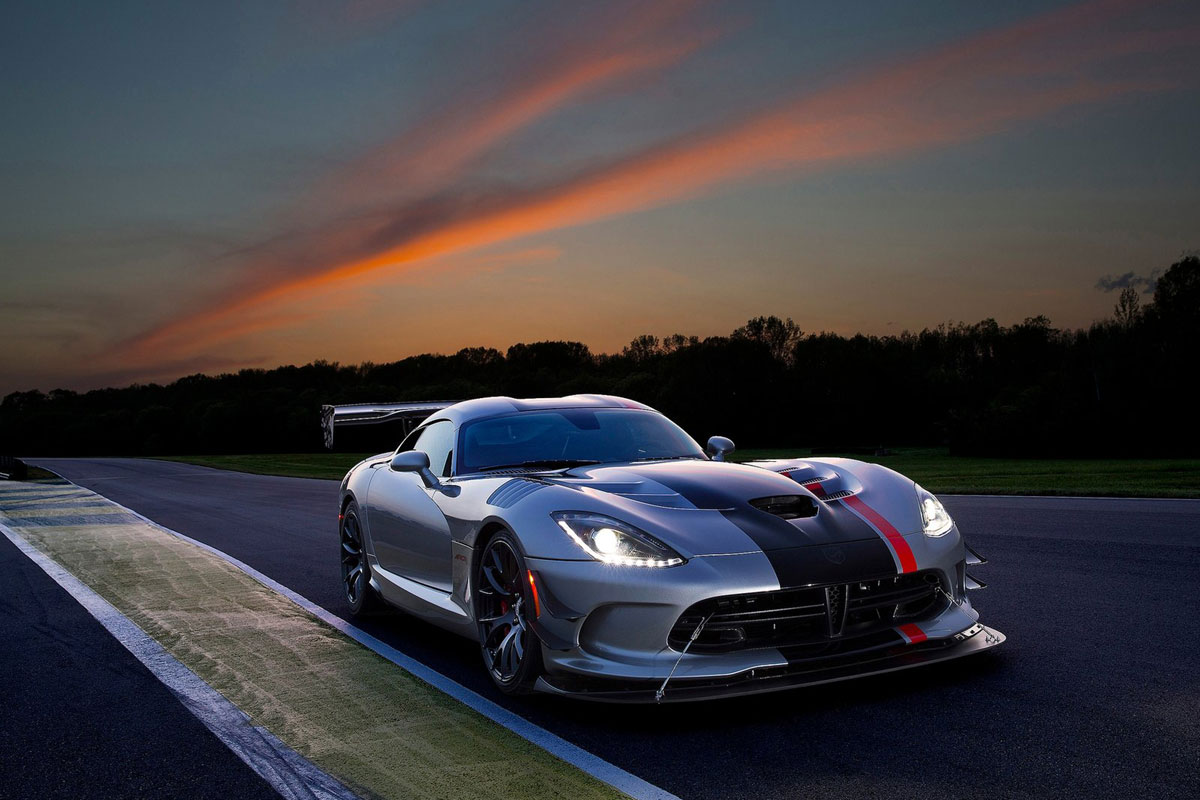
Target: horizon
{"x": 661, "y": 342}
{"x": 217, "y": 188}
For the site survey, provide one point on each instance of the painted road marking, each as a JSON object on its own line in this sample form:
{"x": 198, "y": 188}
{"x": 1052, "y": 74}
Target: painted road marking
{"x": 289, "y": 773}
{"x": 164, "y": 617}
{"x": 623, "y": 781}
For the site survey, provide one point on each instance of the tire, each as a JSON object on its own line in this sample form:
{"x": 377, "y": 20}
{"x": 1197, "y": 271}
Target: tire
{"x": 356, "y": 572}
{"x": 511, "y": 650}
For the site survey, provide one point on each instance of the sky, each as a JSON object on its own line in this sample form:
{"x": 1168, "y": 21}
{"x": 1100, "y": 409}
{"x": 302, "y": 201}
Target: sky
{"x": 205, "y": 187}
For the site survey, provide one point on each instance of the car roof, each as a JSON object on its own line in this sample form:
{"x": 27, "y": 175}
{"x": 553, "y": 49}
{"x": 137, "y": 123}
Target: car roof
{"x": 494, "y": 406}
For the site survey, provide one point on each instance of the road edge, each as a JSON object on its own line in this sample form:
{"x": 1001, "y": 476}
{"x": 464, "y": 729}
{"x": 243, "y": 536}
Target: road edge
{"x": 603, "y": 771}
{"x": 290, "y": 774}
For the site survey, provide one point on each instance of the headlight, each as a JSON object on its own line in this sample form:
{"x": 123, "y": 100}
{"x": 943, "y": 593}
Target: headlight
{"x": 614, "y": 542}
{"x": 933, "y": 514}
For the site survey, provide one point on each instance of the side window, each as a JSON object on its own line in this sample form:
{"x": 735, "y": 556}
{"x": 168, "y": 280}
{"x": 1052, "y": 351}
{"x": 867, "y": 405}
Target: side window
{"x": 410, "y": 441}
{"x": 437, "y": 441}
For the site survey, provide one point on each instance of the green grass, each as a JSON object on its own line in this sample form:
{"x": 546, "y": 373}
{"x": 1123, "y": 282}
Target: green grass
{"x": 933, "y": 468}
{"x": 941, "y": 472}
{"x": 332, "y": 466}
{"x": 33, "y": 473}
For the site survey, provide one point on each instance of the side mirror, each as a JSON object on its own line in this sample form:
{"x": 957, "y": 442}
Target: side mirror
{"x": 410, "y": 461}
{"x": 415, "y": 461}
{"x": 718, "y": 448}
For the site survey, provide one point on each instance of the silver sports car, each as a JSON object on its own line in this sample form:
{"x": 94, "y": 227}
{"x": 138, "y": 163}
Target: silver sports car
{"x": 593, "y": 549}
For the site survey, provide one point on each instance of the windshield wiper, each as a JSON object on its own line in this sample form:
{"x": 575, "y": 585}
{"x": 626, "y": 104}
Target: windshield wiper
{"x": 543, "y": 464}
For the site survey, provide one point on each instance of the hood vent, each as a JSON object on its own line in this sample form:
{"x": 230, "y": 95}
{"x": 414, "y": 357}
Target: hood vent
{"x": 660, "y": 499}
{"x": 787, "y": 506}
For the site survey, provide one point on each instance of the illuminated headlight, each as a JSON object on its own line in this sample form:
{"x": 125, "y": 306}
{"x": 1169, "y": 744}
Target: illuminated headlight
{"x": 937, "y": 521}
{"x": 614, "y": 542}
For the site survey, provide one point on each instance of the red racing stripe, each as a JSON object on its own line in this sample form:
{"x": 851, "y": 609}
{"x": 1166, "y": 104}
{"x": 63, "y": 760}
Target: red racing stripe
{"x": 912, "y": 632}
{"x": 815, "y": 488}
{"x": 904, "y": 553}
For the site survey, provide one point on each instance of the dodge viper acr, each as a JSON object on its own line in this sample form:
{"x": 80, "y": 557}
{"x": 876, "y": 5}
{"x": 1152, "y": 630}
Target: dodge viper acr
{"x": 593, "y": 549}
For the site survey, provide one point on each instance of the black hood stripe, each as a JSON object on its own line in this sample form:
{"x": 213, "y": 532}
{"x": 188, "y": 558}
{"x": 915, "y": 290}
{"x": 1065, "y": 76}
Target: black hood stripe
{"x": 835, "y": 546}
{"x": 802, "y": 560}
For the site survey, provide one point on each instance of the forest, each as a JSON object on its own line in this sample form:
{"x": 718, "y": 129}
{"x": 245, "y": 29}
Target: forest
{"x": 1122, "y": 387}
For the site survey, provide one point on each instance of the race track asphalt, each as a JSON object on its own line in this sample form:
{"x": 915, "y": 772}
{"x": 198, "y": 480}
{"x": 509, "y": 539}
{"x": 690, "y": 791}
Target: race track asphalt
{"x": 1095, "y": 694}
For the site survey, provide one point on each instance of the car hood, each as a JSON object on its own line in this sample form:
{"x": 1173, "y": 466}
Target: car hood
{"x": 664, "y": 491}
{"x": 696, "y": 484}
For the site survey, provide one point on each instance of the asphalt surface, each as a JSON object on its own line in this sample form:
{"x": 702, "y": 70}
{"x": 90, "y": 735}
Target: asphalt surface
{"x": 81, "y": 717}
{"x": 1095, "y": 694}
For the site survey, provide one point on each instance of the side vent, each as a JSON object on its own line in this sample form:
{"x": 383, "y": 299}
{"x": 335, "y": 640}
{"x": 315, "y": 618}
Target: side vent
{"x": 513, "y": 492}
{"x": 787, "y": 506}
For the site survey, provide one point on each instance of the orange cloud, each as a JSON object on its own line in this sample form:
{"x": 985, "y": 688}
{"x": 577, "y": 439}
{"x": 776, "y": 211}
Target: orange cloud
{"x": 223, "y": 328}
{"x": 964, "y": 90}
{"x": 630, "y": 40}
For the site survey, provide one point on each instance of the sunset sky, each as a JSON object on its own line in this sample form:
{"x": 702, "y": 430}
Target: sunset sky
{"x": 202, "y": 187}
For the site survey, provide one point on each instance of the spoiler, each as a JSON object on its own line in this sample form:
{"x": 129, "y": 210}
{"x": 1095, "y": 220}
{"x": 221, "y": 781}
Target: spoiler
{"x": 408, "y": 415}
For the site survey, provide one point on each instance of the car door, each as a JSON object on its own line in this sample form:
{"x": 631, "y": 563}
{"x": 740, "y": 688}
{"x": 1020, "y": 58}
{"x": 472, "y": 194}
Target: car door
{"x": 409, "y": 532}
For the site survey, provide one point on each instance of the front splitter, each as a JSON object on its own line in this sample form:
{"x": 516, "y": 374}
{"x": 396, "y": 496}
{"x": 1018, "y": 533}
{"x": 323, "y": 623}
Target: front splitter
{"x": 774, "y": 679}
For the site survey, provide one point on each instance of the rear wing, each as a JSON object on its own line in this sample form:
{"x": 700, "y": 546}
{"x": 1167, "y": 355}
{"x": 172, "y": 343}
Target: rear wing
{"x": 406, "y": 415}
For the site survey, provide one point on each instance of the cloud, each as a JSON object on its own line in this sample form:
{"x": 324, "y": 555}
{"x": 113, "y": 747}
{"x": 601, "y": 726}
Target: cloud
{"x": 966, "y": 89}
{"x": 323, "y": 21}
{"x": 613, "y": 46}
{"x": 1130, "y": 280}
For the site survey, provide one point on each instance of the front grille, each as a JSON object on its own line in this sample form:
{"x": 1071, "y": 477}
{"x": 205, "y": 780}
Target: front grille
{"x": 809, "y": 618}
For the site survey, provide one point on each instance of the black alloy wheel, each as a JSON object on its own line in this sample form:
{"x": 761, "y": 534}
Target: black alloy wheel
{"x": 512, "y": 652}
{"x": 356, "y": 573}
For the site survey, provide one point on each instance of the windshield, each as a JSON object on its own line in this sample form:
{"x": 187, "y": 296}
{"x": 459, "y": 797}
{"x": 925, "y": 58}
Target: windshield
{"x": 571, "y": 435}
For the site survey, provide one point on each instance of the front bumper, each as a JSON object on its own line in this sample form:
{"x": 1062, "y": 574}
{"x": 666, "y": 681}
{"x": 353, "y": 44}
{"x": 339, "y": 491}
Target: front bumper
{"x": 606, "y": 629}
{"x": 897, "y": 656}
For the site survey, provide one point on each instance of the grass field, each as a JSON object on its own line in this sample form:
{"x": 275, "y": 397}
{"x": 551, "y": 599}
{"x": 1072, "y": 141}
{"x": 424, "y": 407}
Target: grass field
{"x": 293, "y": 465}
{"x": 933, "y": 468}
{"x": 938, "y": 471}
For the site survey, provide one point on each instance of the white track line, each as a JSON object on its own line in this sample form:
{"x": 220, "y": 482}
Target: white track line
{"x": 574, "y": 755}
{"x": 288, "y": 772}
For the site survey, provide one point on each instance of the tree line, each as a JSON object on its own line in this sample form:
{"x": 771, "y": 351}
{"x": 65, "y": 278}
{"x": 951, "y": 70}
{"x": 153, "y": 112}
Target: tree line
{"x": 1123, "y": 387}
